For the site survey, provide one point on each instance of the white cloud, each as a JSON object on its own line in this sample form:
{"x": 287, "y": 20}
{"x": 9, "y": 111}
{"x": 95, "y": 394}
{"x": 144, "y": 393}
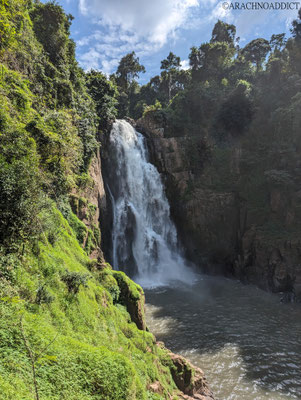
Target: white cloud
{"x": 90, "y": 59}
{"x": 140, "y": 25}
{"x": 145, "y": 26}
{"x": 220, "y": 12}
{"x": 107, "y": 66}
{"x": 185, "y": 64}
{"x": 154, "y": 20}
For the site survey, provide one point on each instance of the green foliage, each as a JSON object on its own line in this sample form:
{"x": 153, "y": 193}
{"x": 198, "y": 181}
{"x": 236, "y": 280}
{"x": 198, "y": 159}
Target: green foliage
{"x": 109, "y": 375}
{"x": 213, "y": 60}
{"x": 235, "y": 113}
{"x": 51, "y": 26}
{"x": 58, "y": 312}
{"x": 171, "y": 62}
{"x": 74, "y": 316}
{"x": 127, "y": 285}
{"x": 59, "y": 146}
{"x": 43, "y": 296}
{"x": 11, "y": 22}
{"x": 104, "y": 94}
{"x": 154, "y": 107}
{"x": 84, "y": 349}
{"x": 237, "y": 124}
{"x": 20, "y": 190}
{"x": 110, "y": 283}
{"x": 296, "y": 27}
{"x": 48, "y": 122}
{"x": 277, "y": 42}
{"x": 223, "y": 32}
{"x": 74, "y": 280}
{"x": 77, "y": 225}
{"x": 9, "y": 265}
{"x": 128, "y": 69}
{"x": 256, "y": 52}
{"x": 86, "y": 132}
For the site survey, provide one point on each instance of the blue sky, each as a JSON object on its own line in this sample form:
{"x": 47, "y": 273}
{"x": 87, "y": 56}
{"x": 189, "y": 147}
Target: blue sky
{"x": 106, "y": 30}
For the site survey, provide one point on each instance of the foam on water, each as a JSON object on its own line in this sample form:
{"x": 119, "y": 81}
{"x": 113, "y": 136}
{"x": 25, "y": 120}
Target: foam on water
{"x": 248, "y": 344}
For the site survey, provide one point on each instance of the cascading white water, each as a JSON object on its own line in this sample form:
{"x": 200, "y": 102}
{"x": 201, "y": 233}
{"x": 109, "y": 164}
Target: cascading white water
{"x": 144, "y": 239}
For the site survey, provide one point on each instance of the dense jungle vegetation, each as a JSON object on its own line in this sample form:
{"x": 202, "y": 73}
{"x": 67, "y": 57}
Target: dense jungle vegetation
{"x": 65, "y": 332}
{"x": 226, "y": 87}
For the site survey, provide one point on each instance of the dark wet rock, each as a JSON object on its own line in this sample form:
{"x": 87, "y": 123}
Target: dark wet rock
{"x": 227, "y": 225}
{"x": 189, "y": 379}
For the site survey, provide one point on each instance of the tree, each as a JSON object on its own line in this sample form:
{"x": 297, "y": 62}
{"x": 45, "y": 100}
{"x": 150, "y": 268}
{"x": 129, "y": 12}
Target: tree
{"x": 223, "y": 32}
{"x": 236, "y": 112}
{"x": 277, "y": 42}
{"x": 155, "y": 83}
{"x": 172, "y": 62}
{"x": 296, "y": 29}
{"x": 294, "y": 45}
{"x": 194, "y": 58}
{"x": 277, "y": 61}
{"x": 104, "y": 93}
{"x": 211, "y": 60}
{"x": 195, "y": 63}
{"x": 170, "y": 67}
{"x": 52, "y": 29}
{"x": 215, "y": 60}
{"x": 256, "y": 52}
{"x": 11, "y": 22}
{"x": 129, "y": 68}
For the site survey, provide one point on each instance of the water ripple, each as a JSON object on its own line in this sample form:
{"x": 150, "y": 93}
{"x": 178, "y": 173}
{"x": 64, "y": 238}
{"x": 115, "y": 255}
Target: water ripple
{"x": 248, "y": 344}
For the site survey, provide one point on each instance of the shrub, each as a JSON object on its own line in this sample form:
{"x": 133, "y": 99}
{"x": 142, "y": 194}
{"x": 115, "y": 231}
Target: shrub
{"x": 20, "y": 193}
{"x": 8, "y": 266}
{"x": 43, "y": 296}
{"x": 74, "y": 280}
{"x": 110, "y": 283}
{"x": 154, "y": 107}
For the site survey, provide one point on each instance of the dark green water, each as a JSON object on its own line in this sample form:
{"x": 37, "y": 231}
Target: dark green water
{"x": 246, "y": 341}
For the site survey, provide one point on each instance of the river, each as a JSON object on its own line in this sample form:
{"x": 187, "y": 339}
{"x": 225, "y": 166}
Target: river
{"x": 245, "y": 340}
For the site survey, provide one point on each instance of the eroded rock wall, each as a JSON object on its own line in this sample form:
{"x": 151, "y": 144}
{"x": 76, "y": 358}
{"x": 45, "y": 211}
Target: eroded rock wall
{"x": 89, "y": 203}
{"x": 238, "y": 213}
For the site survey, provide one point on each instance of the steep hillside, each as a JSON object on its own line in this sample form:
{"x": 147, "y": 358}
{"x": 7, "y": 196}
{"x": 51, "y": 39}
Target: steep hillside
{"x": 70, "y": 327}
{"x": 67, "y": 331}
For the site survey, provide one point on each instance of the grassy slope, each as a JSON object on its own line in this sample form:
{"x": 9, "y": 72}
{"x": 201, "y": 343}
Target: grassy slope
{"x": 85, "y": 347}
{"x": 82, "y": 344}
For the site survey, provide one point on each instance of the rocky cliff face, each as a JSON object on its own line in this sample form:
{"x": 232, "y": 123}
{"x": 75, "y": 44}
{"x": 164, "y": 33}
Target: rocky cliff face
{"x": 236, "y": 211}
{"x": 89, "y": 204}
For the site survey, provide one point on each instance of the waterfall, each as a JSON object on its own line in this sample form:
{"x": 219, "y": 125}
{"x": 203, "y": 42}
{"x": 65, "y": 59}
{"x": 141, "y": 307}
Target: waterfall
{"x": 144, "y": 239}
